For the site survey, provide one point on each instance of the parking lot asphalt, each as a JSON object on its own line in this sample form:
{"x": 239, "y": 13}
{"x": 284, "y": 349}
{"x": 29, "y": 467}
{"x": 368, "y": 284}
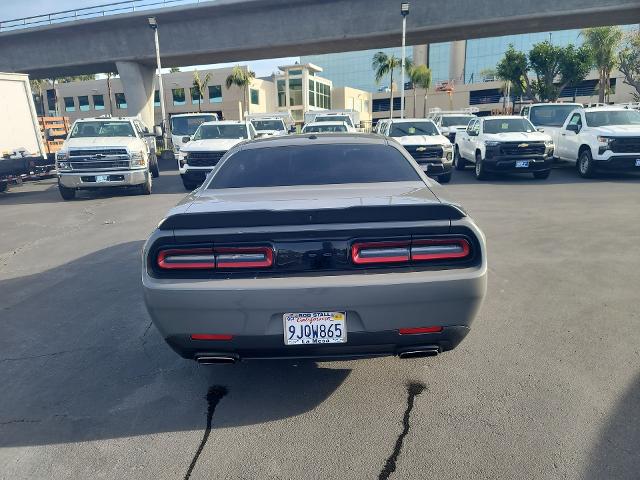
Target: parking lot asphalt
{"x": 546, "y": 385}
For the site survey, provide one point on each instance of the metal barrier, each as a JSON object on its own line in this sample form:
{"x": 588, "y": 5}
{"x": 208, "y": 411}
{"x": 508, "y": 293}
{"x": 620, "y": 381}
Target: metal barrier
{"x": 91, "y": 12}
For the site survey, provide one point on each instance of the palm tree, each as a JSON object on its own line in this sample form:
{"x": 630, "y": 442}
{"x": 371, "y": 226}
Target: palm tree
{"x": 383, "y": 65}
{"x": 420, "y": 76}
{"x": 200, "y": 84}
{"x": 241, "y": 78}
{"x": 603, "y": 42}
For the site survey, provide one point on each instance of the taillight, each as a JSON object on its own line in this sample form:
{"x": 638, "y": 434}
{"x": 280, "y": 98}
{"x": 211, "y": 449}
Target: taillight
{"x": 410, "y": 251}
{"x": 211, "y": 258}
{"x": 419, "y": 330}
{"x": 210, "y": 336}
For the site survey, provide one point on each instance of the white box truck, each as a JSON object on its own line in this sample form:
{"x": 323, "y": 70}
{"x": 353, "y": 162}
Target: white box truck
{"x": 21, "y": 145}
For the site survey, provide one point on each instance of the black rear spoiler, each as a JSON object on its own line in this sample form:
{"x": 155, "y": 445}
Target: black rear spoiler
{"x": 267, "y": 218}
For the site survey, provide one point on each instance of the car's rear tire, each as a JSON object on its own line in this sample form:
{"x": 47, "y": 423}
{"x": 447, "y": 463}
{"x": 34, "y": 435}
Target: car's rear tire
{"x": 458, "y": 162}
{"x": 585, "y": 164}
{"x": 145, "y": 188}
{"x": 480, "y": 171}
{"x": 444, "y": 178}
{"x": 153, "y": 166}
{"x": 542, "y": 175}
{"x": 67, "y": 193}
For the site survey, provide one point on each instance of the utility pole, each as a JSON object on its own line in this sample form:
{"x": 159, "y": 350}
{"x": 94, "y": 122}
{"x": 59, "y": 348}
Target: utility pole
{"x": 404, "y": 11}
{"x": 154, "y": 26}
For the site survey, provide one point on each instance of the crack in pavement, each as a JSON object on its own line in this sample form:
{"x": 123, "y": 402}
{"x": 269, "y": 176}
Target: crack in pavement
{"x": 214, "y": 395}
{"x": 413, "y": 390}
{"x": 53, "y": 354}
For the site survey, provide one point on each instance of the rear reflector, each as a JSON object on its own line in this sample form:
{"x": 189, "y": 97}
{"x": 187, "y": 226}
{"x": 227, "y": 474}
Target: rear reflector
{"x": 209, "y": 258}
{"x": 414, "y": 331}
{"x": 186, "y": 258}
{"x": 210, "y": 336}
{"x": 405, "y": 251}
{"x": 380, "y": 252}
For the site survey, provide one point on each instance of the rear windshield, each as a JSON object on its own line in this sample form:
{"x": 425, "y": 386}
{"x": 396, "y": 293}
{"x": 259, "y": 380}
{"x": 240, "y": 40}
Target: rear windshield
{"x": 459, "y": 120}
{"x": 550, "y": 115}
{"x": 268, "y": 124}
{"x": 189, "y": 125}
{"x": 208, "y": 132}
{"x": 313, "y": 165}
{"x": 504, "y": 125}
{"x": 335, "y": 118}
{"x": 613, "y": 117}
{"x": 324, "y": 128}
{"x": 404, "y": 129}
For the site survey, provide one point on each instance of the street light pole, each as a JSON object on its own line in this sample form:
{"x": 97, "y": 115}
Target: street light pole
{"x": 154, "y": 26}
{"x": 404, "y": 10}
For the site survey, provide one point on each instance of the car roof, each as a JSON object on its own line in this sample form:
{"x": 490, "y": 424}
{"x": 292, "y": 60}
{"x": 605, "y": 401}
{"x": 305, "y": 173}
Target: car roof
{"x": 608, "y": 108}
{"x": 407, "y": 120}
{"x": 502, "y": 117}
{"x": 225, "y": 122}
{"x": 324, "y": 124}
{"x": 316, "y": 139}
{"x": 569, "y": 104}
{"x": 192, "y": 114}
{"x": 107, "y": 119}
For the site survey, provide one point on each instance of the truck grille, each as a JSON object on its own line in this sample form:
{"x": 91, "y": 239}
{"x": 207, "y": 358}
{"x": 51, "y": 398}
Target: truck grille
{"x": 99, "y": 159}
{"x": 425, "y": 153}
{"x": 522, "y": 148}
{"x": 204, "y": 159}
{"x": 626, "y": 145}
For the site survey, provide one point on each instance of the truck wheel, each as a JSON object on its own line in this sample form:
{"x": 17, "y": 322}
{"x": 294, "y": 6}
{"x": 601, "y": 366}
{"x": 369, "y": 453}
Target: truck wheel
{"x": 480, "y": 171}
{"x": 67, "y": 193}
{"x": 542, "y": 175}
{"x": 145, "y": 188}
{"x": 458, "y": 161}
{"x": 444, "y": 178}
{"x": 585, "y": 164}
{"x": 153, "y": 166}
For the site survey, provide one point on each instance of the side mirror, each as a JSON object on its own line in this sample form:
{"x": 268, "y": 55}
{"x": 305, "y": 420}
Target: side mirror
{"x": 541, "y": 130}
{"x": 573, "y": 128}
{"x": 186, "y": 139}
{"x": 157, "y": 131}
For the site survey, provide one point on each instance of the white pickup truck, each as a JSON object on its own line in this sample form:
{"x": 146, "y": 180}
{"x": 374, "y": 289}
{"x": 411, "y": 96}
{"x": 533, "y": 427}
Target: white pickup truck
{"x": 202, "y": 152}
{"x": 450, "y": 123}
{"x": 185, "y": 124}
{"x": 549, "y": 117}
{"x": 504, "y": 144}
{"x": 106, "y": 152}
{"x": 601, "y": 139}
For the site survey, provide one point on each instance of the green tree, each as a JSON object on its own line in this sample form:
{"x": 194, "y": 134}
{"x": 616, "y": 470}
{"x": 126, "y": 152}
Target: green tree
{"x": 241, "y": 78}
{"x": 514, "y": 68}
{"x": 420, "y": 76}
{"x": 200, "y": 84}
{"x": 174, "y": 69}
{"x": 603, "y": 43}
{"x": 384, "y": 65}
{"x": 629, "y": 61}
{"x": 76, "y": 78}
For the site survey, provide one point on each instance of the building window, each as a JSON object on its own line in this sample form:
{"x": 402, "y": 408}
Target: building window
{"x": 98, "y": 102}
{"x": 255, "y": 96}
{"x": 297, "y": 115}
{"x": 295, "y": 92}
{"x": 178, "y": 96}
{"x": 121, "y": 101}
{"x": 215, "y": 94}
{"x": 282, "y": 97}
{"x": 295, "y": 72}
{"x": 195, "y": 96}
{"x": 323, "y": 95}
{"x": 312, "y": 93}
{"x": 51, "y": 102}
{"x": 83, "y": 103}
{"x": 156, "y": 98}
{"x": 69, "y": 106}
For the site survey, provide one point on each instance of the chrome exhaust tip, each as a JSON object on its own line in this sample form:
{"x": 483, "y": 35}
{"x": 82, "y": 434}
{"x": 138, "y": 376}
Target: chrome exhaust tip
{"x": 419, "y": 353}
{"x": 214, "y": 359}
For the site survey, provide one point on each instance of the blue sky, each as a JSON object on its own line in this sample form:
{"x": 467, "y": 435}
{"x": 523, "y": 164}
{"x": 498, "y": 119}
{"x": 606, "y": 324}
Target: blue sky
{"x": 10, "y": 10}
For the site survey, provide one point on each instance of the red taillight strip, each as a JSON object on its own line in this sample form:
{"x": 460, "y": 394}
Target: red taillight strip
{"x": 418, "y": 330}
{"x": 440, "y": 249}
{"x": 210, "y": 336}
{"x": 380, "y": 252}
{"x": 186, "y": 258}
{"x": 244, "y": 257}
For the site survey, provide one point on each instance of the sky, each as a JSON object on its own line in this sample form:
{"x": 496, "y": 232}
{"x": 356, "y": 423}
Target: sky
{"x": 10, "y": 10}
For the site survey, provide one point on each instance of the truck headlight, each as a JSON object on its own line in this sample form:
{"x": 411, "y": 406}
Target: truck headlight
{"x": 491, "y": 143}
{"x": 548, "y": 143}
{"x": 137, "y": 159}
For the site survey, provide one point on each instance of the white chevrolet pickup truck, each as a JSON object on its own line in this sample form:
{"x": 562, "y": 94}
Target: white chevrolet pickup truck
{"x": 106, "y": 152}
{"x": 601, "y": 139}
{"x": 549, "y": 117}
{"x": 504, "y": 144}
{"x": 202, "y": 152}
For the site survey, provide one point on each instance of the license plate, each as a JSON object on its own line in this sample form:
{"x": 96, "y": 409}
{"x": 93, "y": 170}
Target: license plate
{"x": 102, "y": 178}
{"x": 314, "y": 328}
{"x": 637, "y": 162}
{"x": 522, "y": 163}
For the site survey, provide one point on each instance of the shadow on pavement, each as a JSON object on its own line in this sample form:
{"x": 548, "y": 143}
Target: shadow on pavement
{"x": 81, "y": 361}
{"x": 616, "y": 454}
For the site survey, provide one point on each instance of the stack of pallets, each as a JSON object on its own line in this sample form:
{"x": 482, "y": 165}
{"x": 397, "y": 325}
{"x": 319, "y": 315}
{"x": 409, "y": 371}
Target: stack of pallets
{"x": 58, "y": 127}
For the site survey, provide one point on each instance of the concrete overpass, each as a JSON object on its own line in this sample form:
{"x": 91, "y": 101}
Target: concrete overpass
{"x": 234, "y": 30}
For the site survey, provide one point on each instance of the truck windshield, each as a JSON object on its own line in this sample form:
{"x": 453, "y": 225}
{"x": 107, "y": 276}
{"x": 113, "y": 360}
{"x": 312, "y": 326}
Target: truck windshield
{"x": 268, "y": 124}
{"x": 334, "y": 118}
{"x": 102, "y": 129}
{"x": 505, "y": 125}
{"x": 324, "y": 128}
{"x": 613, "y": 117}
{"x": 189, "y": 125}
{"x": 413, "y": 128}
{"x": 550, "y": 115}
{"x": 458, "y": 120}
{"x": 207, "y": 132}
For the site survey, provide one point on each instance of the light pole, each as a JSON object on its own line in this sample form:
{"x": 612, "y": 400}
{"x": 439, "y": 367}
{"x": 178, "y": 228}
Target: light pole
{"x": 404, "y": 11}
{"x": 154, "y": 26}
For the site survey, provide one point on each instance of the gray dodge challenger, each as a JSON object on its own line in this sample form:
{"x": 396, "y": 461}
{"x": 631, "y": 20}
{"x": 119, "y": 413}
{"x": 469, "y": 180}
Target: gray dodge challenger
{"x": 321, "y": 246}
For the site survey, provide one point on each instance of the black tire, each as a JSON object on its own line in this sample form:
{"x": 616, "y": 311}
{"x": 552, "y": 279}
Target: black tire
{"x": 67, "y": 193}
{"x": 542, "y": 175}
{"x": 585, "y": 164}
{"x": 145, "y": 188}
{"x": 4, "y": 186}
{"x": 458, "y": 162}
{"x": 444, "y": 178}
{"x": 190, "y": 186}
{"x": 153, "y": 166}
{"x": 480, "y": 171}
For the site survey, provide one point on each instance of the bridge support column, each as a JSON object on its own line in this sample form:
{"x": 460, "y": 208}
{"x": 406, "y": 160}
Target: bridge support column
{"x": 138, "y": 82}
{"x": 457, "y": 59}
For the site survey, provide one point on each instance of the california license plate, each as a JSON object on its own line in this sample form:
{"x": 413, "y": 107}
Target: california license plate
{"x": 522, "y": 163}
{"x": 637, "y": 162}
{"x": 315, "y": 327}
{"x": 102, "y": 178}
